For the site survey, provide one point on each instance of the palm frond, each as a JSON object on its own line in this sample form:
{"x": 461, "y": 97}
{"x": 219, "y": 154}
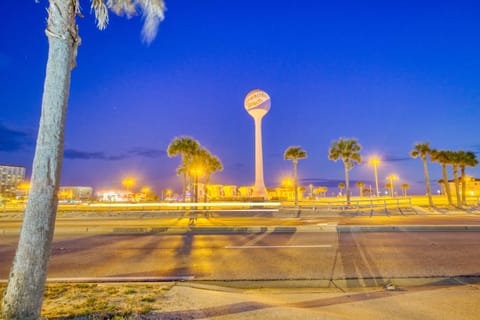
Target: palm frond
{"x": 101, "y": 13}
{"x": 152, "y": 11}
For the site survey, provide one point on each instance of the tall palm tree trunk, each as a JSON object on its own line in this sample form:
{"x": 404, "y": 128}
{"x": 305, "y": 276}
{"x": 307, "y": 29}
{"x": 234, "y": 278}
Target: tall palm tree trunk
{"x": 347, "y": 185}
{"x": 23, "y": 298}
{"x": 205, "y": 194}
{"x": 427, "y": 183}
{"x": 295, "y": 183}
{"x": 464, "y": 185}
{"x": 446, "y": 184}
{"x": 184, "y": 187}
{"x": 457, "y": 185}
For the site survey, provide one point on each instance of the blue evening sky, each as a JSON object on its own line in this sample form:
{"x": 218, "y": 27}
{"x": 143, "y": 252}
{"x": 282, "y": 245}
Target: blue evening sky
{"x": 389, "y": 73}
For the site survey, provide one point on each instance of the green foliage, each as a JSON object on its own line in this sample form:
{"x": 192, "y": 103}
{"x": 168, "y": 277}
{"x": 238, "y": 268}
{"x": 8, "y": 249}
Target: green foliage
{"x": 348, "y": 150}
{"x": 294, "y": 153}
{"x": 421, "y": 150}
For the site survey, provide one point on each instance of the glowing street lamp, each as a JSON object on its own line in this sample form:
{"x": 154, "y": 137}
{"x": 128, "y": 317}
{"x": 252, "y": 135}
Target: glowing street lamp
{"x": 287, "y": 182}
{"x": 167, "y": 193}
{"x": 25, "y": 187}
{"x": 196, "y": 172}
{"x": 128, "y": 183}
{"x": 145, "y": 191}
{"x": 257, "y": 104}
{"x": 374, "y": 161}
{"x": 392, "y": 178}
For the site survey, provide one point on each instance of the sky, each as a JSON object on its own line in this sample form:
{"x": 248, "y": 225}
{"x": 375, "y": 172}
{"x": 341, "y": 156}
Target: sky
{"x": 387, "y": 73}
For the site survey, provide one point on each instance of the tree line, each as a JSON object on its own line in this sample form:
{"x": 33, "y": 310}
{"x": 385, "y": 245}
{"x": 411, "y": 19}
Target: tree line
{"x": 456, "y": 160}
{"x": 348, "y": 151}
{"x": 197, "y": 162}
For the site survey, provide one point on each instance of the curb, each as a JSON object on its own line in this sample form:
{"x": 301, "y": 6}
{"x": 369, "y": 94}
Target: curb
{"x": 410, "y": 228}
{"x": 227, "y": 285}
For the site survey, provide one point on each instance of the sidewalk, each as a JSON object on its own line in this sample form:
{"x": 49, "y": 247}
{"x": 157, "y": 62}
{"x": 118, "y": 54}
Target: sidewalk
{"x": 450, "y": 299}
{"x": 186, "y": 301}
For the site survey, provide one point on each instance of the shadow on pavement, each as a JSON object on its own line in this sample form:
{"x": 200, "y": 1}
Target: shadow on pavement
{"x": 359, "y": 267}
{"x": 247, "y": 306}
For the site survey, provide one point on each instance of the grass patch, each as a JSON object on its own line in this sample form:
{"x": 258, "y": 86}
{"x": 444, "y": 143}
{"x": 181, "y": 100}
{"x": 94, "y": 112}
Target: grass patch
{"x": 100, "y": 301}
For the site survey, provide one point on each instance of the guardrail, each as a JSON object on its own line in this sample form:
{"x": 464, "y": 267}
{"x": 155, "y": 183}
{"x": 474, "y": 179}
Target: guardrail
{"x": 355, "y": 204}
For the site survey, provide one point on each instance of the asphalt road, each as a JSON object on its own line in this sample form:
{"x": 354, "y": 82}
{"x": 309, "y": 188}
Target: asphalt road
{"x": 363, "y": 258}
{"x": 238, "y": 218}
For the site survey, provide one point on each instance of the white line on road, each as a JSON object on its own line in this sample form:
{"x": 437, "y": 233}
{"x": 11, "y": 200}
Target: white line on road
{"x": 284, "y": 246}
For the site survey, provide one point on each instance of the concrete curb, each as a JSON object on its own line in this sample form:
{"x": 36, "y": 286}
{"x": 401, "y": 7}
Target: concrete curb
{"x": 409, "y": 228}
{"x": 256, "y": 229}
{"x": 226, "y": 285}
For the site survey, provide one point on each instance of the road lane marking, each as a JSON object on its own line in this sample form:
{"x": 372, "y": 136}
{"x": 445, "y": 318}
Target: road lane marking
{"x": 278, "y": 247}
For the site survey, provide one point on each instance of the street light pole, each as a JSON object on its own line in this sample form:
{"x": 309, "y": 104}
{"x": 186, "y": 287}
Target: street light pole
{"x": 391, "y": 178}
{"x": 374, "y": 161}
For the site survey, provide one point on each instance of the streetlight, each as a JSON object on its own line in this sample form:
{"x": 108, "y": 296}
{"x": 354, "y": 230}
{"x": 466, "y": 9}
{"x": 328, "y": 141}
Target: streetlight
{"x": 145, "y": 191}
{"x": 374, "y": 161}
{"x": 166, "y": 194}
{"x": 287, "y": 182}
{"x": 196, "y": 172}
{"x": 128, "y": 183}
{"x": 25, "y": 187}
{"x": 392, "y": 178}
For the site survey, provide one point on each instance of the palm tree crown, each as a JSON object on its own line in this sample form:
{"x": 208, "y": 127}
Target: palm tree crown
{"x": 184, "y": 146}
{"x": 346, "y": 149}
{"x": 421, "y": 150}
{"x": 152, "y": 11}
{"x": 294, "y": 153}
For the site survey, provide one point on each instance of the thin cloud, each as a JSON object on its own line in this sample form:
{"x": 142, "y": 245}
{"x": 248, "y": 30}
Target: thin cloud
{"x": 13, "y": 140}
{"x": 86, "y": 155}
{"x": 135, "y": 152}
{"x": 147, "y": 153}
{"x": 395, "y": 158}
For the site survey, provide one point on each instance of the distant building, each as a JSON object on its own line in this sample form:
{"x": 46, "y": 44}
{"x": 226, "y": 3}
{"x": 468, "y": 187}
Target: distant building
{"x": 115, "y": 196}
{"x": 472, "y": 186}
{"x": 75, "y": 193}
{"x": 10, "y": 178}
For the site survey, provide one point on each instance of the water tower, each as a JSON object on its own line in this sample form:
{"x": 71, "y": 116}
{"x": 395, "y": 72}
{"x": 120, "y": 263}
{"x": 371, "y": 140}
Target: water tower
{"x": 257, "y": 104}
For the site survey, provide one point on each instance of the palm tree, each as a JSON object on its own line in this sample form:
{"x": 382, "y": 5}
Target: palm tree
{"x": 389, "y": 186}
{"x": 186, "y": 147}
{"x": 467, "y": 159}
{"x": 213, "y": 165}
{"x": 405, "y": 187}
{"x": 295, "y": 153}
{"x": 422, "y": 151}
{"x": 443, "y": 157}
{"x": 24, "y": 294}
{"x": 455, "y": 159}
{"x": 208, "y": 164}
{"x": 348, "y": 150}
{"x": 360, "y": 186}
